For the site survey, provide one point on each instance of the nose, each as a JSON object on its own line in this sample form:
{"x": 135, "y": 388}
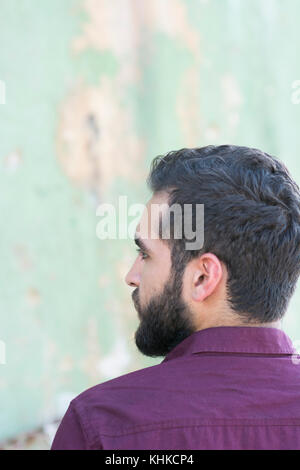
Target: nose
{"x": 132, "y": 278}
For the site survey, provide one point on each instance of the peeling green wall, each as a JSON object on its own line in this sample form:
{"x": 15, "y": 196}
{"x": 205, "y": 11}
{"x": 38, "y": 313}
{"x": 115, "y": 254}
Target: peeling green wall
{"x": 94, "y": 90}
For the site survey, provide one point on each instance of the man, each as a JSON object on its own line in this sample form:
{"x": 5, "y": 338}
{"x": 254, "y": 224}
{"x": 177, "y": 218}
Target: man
{"x": 230, "y": 377}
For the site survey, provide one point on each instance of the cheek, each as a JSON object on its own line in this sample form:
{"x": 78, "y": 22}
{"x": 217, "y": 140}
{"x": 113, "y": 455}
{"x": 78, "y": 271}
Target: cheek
{"x": 147, "y": 285}
{"x": 187, "y": 288}
{"x": 153, "y": 278}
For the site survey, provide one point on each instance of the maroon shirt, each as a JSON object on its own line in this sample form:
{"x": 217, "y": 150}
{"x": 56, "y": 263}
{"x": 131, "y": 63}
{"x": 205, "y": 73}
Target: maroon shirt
{"x": 220, "y": 388}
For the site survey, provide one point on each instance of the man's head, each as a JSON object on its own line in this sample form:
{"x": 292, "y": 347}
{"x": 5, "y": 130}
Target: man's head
{"x": 246, "y": 271}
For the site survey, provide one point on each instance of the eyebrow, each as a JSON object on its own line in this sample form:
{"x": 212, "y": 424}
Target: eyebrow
{"x": 139, "y": 242}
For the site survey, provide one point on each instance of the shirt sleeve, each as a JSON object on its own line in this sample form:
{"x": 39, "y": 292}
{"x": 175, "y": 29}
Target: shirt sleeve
{"x": 70, "y": 434}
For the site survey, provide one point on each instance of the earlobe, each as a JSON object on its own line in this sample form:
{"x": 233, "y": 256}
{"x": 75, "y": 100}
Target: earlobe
{"x": 197, "y": 294}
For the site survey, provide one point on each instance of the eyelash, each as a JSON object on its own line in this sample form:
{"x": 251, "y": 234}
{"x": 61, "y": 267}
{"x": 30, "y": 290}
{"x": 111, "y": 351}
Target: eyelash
{"x": 142, "y": 253}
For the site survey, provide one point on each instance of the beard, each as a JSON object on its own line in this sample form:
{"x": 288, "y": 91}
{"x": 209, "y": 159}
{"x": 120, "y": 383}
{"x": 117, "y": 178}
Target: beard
{"x": 165, "y": 321}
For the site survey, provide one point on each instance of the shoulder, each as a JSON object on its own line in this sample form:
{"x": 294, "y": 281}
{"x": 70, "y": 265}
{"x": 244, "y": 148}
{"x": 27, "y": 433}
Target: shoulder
{"x": 125, "y": 401}
{"x": 122, "y": 385}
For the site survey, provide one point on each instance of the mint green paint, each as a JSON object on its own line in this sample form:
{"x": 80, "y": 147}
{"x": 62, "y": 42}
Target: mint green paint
{"x": 43, "y": 212}
{"x": 91, "y": 65}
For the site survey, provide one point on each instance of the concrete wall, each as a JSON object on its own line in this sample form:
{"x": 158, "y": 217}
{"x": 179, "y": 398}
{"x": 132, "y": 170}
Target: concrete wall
{"x": 94, "y": 90}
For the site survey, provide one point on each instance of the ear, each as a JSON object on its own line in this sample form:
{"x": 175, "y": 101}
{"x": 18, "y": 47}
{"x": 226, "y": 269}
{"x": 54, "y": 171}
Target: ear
{"x": 207, "y": 274}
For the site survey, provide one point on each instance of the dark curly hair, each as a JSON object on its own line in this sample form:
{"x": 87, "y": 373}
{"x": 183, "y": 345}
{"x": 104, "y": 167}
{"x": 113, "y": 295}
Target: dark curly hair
{"x": 251, "y": 221}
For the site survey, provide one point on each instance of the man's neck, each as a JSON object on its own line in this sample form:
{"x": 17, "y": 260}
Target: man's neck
{"x": 237, "y": 322}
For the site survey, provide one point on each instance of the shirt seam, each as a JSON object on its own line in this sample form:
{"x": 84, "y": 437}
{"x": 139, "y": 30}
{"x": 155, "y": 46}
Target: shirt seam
{"x": 203, "y": 423}
{"x": 159, "y": 427}
{"x": 247, "y": 351}
{"x": 271, "y": 354}
{"x": 90, "y": 441}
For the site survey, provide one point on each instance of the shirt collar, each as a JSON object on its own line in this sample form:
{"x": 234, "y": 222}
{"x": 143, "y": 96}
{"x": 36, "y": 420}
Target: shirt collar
{"x": 234, "y": 339}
